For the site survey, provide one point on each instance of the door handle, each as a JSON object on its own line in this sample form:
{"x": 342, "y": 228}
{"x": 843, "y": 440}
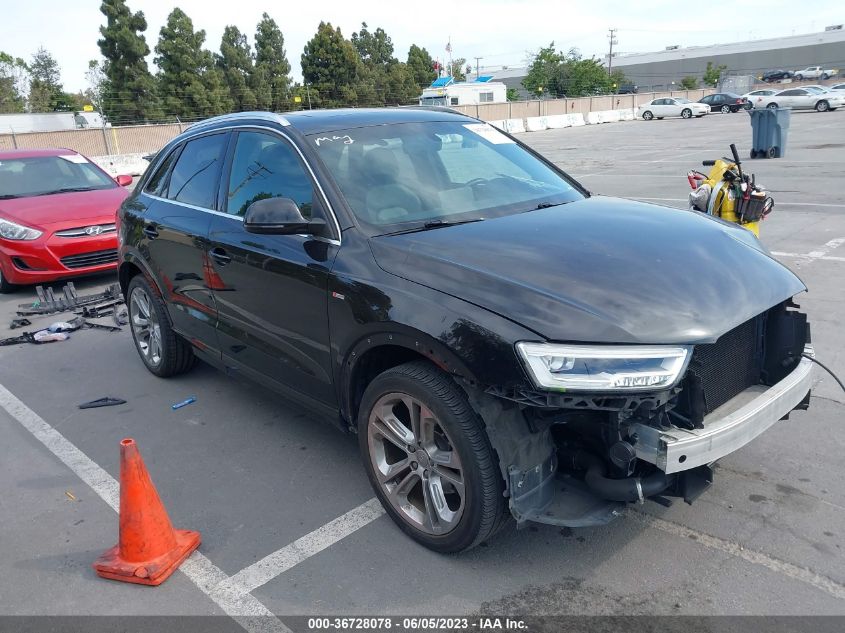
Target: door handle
{"x": 220, "y": 256}
{"x": 150, "y": 231}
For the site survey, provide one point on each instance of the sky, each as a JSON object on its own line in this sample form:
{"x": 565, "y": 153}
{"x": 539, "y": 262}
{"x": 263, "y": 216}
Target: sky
{"x": 502, "y": 32}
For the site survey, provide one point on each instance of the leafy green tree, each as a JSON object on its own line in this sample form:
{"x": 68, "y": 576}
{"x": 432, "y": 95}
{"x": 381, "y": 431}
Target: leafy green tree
{"x": 331, "y": 67}
{"x": 96, "y": 78}
{"x": 235, "y": 64}
{"x": 421, "y": 66}
{"x": 712, "y": 74}
{"x": 689, "y": 83}
{"x": 583, "y": 77}
{"x": 271, "y": 80}
{"x": 512, "y": 94}
{"x": 374, "y": 48}
{"x": 13, "y": 78}
{"x": 456, "y": 69}
{"x": 129, "y": 93}
{"x": 189, "y": 83}
{"x": 545, "y": 73}
{"x": 556, "y": 74}
{"x": 45, "y": 85}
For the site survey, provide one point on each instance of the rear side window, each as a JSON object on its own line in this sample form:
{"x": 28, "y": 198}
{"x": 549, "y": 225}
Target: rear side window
{"x": 197, "y": 170}
{"x": 158, "y": 181}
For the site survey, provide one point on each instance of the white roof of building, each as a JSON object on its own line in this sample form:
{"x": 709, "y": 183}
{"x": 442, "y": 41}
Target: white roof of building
{"x": 689, "y": 52}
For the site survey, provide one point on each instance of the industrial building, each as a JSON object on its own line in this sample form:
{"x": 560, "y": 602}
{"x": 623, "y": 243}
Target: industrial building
{"x": 662, "y": 70}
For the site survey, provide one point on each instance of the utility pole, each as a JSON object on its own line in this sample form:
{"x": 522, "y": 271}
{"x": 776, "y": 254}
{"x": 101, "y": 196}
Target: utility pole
{"x": 612, "y": 37}
{"x": 477, "y": 67}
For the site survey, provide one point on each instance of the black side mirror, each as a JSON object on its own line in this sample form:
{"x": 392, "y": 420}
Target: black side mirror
{"x": 279, "y": 216}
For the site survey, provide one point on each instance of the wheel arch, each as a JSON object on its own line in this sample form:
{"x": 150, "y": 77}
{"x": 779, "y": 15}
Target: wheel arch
{"x": 379, "y": 351}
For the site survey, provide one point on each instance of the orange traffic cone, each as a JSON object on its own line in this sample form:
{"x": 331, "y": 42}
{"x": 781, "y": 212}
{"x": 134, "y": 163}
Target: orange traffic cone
{"x": 149, "y": 549}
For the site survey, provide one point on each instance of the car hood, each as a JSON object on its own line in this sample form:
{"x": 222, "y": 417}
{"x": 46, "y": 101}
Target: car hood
{"x": 599, "y": 270}
{"x": 65, "y": 210}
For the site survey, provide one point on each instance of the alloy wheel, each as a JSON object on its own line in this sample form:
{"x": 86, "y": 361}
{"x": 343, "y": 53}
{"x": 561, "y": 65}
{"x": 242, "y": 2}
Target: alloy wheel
{"x": 416, "y": 464}
{"x": 145, "y": 326}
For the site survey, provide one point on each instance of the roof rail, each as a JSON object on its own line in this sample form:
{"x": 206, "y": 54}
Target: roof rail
{"x": 240, "y": 116}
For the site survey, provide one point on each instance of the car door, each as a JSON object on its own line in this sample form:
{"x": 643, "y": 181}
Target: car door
{"x": 659, "y": 107}
{"x": 271, "y": 290}
{"x": 672, "y": 108}
{"x": 794, "y": 98}
{"x": 175, "y": 227}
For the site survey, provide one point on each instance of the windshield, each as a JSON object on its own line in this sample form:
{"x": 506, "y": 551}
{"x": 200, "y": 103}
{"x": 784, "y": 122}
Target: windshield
{"x": 43, "y": 175}
{"x": 408, "y": 175}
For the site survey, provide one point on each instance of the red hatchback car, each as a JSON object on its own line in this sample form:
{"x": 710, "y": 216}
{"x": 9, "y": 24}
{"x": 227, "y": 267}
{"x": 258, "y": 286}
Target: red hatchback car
{"x": 57, "y": 216}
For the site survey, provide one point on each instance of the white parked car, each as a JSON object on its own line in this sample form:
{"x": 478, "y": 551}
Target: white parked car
{"x": 815, "y": 72}
{"x": 840, "y": 87}
{"x": 803, "y": 99}
{"x": 672, "y": 106}
{"x": 757, "y": 95}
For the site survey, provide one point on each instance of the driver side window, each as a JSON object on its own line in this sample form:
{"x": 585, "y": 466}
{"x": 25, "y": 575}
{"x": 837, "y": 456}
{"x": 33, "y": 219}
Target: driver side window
{"x": 266, "y": 166}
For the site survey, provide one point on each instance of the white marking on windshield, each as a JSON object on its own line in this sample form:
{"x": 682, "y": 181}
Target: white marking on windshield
{"x": 347, "y": 140}
{"x": 74, "y": 158}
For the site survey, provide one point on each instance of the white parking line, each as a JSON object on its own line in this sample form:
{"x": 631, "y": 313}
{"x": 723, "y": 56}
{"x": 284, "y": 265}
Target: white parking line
{"x": 822, "y": 253}
{"x": 735, "y": 549}
{"x": 246, "y": 610}
{"x": 272, "y": 565}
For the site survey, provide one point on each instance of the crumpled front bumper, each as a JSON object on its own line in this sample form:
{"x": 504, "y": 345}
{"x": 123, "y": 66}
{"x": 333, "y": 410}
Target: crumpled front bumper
{"x": 728, "y": 428}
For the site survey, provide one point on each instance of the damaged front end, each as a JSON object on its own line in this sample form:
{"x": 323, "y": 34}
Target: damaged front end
{"x": 577, "y": 459}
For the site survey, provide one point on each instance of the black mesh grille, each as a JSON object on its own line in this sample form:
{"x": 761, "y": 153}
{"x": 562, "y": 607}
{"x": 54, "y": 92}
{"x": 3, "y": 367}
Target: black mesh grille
{"x": 730, "y": 365}
{"x": 90, "y": 259}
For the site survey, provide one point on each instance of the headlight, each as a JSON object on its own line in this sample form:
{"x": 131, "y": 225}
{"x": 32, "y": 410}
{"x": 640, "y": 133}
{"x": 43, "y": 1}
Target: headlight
{"x": 12, "y": 231}
{"x": 604, "y": 367}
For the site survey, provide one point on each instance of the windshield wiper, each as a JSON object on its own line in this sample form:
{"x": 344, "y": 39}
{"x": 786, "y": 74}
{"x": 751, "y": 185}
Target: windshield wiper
{"x": 547, "y": 205}
{"x": 435, "y": 224}
{"x": 8, "y": 196}
{"x": 64, "y": 190}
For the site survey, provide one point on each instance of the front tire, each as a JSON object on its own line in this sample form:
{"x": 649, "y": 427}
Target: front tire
{"x": 686, "y": 113}
{"x": 822, "y": 106}
{"x": 772, "y": 106}
{"x": 429, "y": 459}
{"x": 799, "y": 77}
{"x": 825, "y": 76}
{"x": 163, "y": 351}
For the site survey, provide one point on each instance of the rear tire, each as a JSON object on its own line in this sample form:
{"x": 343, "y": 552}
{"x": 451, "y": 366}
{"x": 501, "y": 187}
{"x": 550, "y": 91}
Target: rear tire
{"x": 647, "y": 115}
{"x": 725, "y": 109}
{"x": 429, "y": 460}
{"x": 162, "y": 351}
{"x": 825, "y": 76}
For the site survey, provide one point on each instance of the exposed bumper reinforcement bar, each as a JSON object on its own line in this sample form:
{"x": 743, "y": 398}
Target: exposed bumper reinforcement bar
{"x": 726, "y": 429}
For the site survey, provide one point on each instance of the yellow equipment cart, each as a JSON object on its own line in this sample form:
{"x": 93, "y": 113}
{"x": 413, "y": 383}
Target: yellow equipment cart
{"x": 729, "y": 194}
